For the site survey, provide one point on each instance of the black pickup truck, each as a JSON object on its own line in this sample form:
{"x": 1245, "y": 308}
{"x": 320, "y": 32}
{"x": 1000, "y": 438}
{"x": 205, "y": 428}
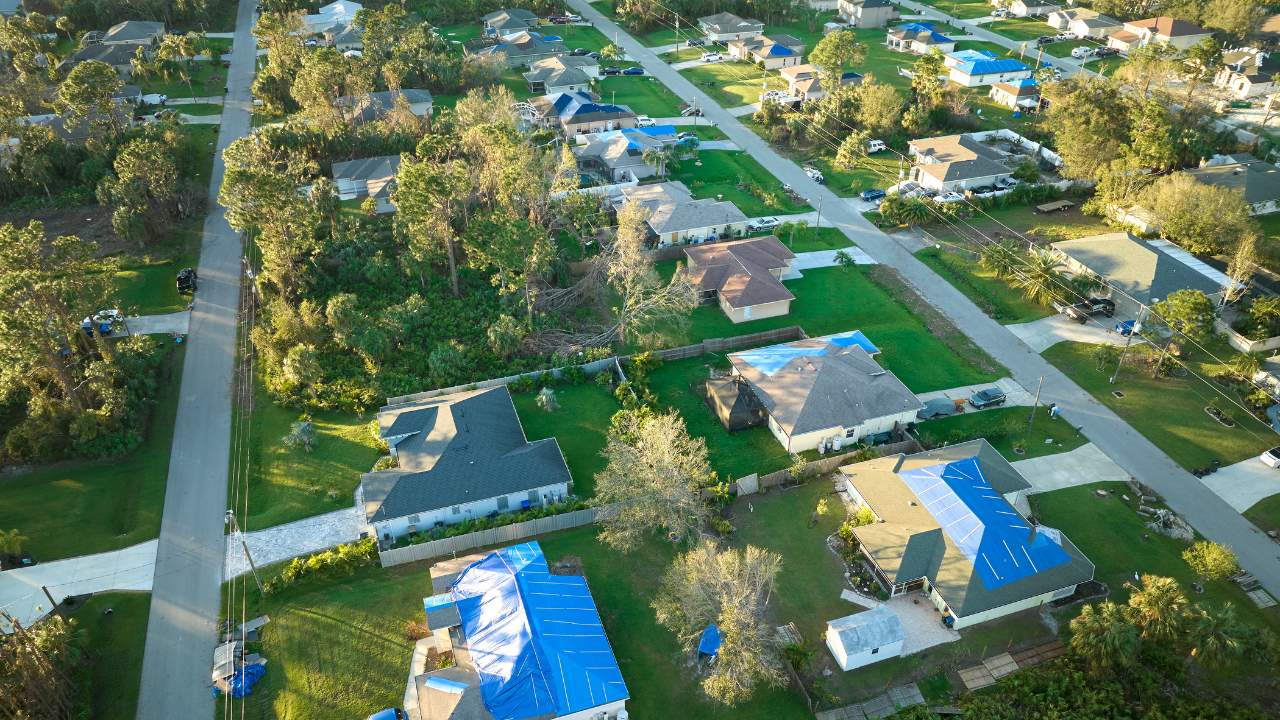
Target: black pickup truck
{"x": 1081, "y": 311}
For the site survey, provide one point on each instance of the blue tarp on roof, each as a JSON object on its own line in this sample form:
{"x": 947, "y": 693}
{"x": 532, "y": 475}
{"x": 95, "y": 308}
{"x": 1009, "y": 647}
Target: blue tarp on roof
{"x": 770, "y": 360}
{"x": 984, "y": 62}
{"x": 1024, "y": 83}
{"x": 980, "y": 522}
{"x": 709, "y": 643}
{"x": 778, "y": 50}
{"x": 973, "y": 55}
{"x": 535, "y": 638}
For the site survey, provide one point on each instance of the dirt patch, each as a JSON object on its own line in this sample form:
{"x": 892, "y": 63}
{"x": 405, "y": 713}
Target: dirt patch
{"x": 88, "y": 222}
{"x": 568, "y": 565}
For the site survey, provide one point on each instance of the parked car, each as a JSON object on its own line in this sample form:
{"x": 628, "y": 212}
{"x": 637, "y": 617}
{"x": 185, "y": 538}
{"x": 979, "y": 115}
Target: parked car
{"x": 1005, "y": 183}
{"x": 578, "y": 52}
{"x": 983, "y": 189}
{"x": 990, "y": 397}
{"x": 644, "y": 121}
{"x": 1082, "y": 52}
{"x": 633, "y": 71}
{"x": 1045, "y": 40}
{"x": 814, "y": 174}
{"x": 611, "y": 70}
{"x": 712, "y": 57}
{"x": 1105, "y": 52}
{"x": 687, "y": 135}
{"x": 697, "y": 42}
{"x": 593, "y": 55}
{"x": 938, "y": 407}
{"x": 875, "y": 146}
{"x": 1126, "y": 327}
{"x": 949, "y": 197}
{"x": 772, "y": 95}
{"x": 1000, "y": 13}
{"x": 1065, "y": 36}
{"x": 1271, "y": 458}
{"x": 872, "y": 195}
{"x": 1081, "y": 311}
{"x": 764, "y": 223}
{"x": 187, "y": 281}
{"x": 691, "y": 111}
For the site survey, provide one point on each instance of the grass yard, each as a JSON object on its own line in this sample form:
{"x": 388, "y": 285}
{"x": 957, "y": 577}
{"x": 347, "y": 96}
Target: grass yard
{"x": 738, "y": 178}
{"x": 577, "y": 36}
{"x": 580, "y": 427}
{"x": 1168, "y": 411}
{"x": 1107, "y": 65}
{"x": 645, "y": 95}
{"x": 733, "y": 83}
{"x": 80, "y": 508}
{"x": 1021, "y": 29}
{"x": 114, "y": 659}
{"x": 997, "y": 223}
{"x": 999, "y": 50}
{"x": 705, "y": 132}
{"x": 1265, "y": 513}
{"x": 873, "y": 171}
{"x": 809, "y": 239}
{"x": 1005, "y": 428}
{"x": 199, "y": 109}
{"x": 997, "y": 298}
{"x": 460, "y": 32}
{"x": 1063, "y": 49}
{"x": 291, "y": 484}
{"x": 882, "y": 62}
{"x": 207, "y": 78}
{"x": 202, "y": 140}
{"x": 963, "y": 9}
{"x": 145, "y": 284}
{"x": 513, "y": 80}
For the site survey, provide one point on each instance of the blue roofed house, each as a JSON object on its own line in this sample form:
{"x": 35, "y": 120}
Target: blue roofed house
{"x": 771, "y": 51}
{"x": 918, "y": 38}
{"x": 526, "y": 639}
{"x": 1023, "y": 94}
{"x": 619, "y": 155}
{"x": 825, "y": 392}
{"x": 947, "y": 525}
{"x": 460, "y": 457}
{"x": 579, "y": 112}
{"x": 975, "y": 68}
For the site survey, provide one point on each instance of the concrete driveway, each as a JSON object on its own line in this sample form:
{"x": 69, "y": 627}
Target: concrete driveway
{"x": 1086, "y": 464}
{"x": 1242, "y": 485}
{"x": 301, "y": 537}
{"x": 171, "y": 324}
{"x": 130, "y": 568}
{"x": 1042, "y": 334}
{"x": 1013, "y": 391}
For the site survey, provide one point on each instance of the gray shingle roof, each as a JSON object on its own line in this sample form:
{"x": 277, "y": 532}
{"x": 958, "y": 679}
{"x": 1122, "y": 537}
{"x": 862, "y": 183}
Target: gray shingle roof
{"x": 561, "y": 71}
{"x": 1134, "y": 267}
{"x": 113, "y": 55}
{"x": 377, "y": 105}
{"x": 958, "y": 157}
{"x": 868, "y": 630}
{"x": 1258, "y": 181}
{"x": 133, "y": 31}
{"x": 727, "y": 22}
{"x": 374, "y": 168}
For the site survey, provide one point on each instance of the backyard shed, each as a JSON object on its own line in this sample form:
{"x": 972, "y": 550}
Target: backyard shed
{"x": 866, "y": 637}
{"x": 731, "y": 400}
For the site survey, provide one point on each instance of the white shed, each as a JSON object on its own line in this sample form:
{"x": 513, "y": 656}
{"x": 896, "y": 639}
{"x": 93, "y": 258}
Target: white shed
{"x": 867, "y": 637}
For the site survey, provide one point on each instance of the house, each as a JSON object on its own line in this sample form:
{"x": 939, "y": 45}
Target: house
{"x": 675, "y": 218}
{"x": 771, "y": 51}
{"x": 344, "y": 37}
{"x": 527, "y": 642}
{"x": 520, "y": 49}
{"x": 1140, "y": 272}
{"x": 1178, "y": 34}
{"x": 619, "y": 155}
{"x": 578, "y": 113}
{"x": 127, "y": 95}
{"x": 867, "y": 13}
{"x": 134, "y": 32}
{"x": 955, "y": 162}
{"x": 975, "y": 68}
{"x": 373, "y": 177}
{"x": 503, "y": 23}
{"x": 825, "y": 392}
{"x": 723, "y": 27}
{"x": 79, "y": 130}
{"x": 1016, "y": 95}
{"x": 340, "y": 12}
{"x": 120, "y": 57}
{"x": 803, "y": 81}
{"x": 743, "y": 276}
{"x": 918, "y": 38}
{"x": 1083, "y": 22}
{"x": 947, "y": 526}
{"x": 823, "y": 5}
{"x": 867, "y": 637}
{"x": 1257, "y": 181}
{"x": 1247, "y": 72}
{"x": 1029, "y": 8}
{"x": 360, "y": 109}
{"x": 461, "y": 456}
{"x": 566, "y": 73}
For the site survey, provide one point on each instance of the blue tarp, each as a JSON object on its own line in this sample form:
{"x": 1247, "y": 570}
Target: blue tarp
{"x": 244, "y": 679}
{"x": 535, "y": 638}
{"x": 709, "y": 644}
{"x": 770, "y": 360}
{"x": 980, "y": 522}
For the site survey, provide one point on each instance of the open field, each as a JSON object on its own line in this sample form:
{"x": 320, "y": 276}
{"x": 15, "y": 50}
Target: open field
{"x": 733, "y": 83}
{"x": 872, "y": 171}
{"x": 809, "y": 239}
{"x": 115, "y": 644}
{"x": 1014, "y": 220}
{"x": 997, "y": 298}
{"x": 644, "y": 95}
{"x": 737, "y": 177}
{"x": 963, "y": 9}
{"x": 1020, "y": 29}
{"x": 207, "y": 78}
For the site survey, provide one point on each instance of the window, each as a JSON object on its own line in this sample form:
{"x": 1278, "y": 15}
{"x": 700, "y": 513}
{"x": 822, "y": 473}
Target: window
{"x": 875, "y": 651}
{"x": 413, "y": 519}
{"x": 502, "y": 503}
{"x": 457, "y": 510}
{"x": 851, "y": 433}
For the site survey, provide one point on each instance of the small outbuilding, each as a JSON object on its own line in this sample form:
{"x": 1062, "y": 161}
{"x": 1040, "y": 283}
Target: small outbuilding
{"x": 733, "y": 402}
{"x": 867, "y": 637}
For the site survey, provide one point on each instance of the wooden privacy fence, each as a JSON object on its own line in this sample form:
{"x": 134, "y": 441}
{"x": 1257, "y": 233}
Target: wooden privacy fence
{"x": 792, "y": 332}
{"x": 485, "y": 538}
{"x": 829, "y": 464}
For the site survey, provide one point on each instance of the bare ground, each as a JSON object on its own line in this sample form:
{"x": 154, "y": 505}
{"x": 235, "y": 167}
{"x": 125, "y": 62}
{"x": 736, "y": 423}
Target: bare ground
{"x": 88, "y": 222}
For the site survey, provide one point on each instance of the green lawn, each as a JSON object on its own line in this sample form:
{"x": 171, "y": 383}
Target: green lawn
{"x": 872, "y": 171}
{"x": 705, "y": 132}
{"x": 145, "y": 283}
{"x": 1168, "y": 411}
{"x": 883, "y": 63}
{"x": 513, "y": 80}
{"x": 733, "y": 84}
{"x": 291, "y": 484}
{"x": 809, "y": 239}
{"x": 199, "y": 109}
{"x": 963, "y": 9}
{"x": 220, "y": 46}
{"x": 579, "y": 426}
{"x": 644, "y": 95}
{"x": 998, "y": 223}
{"x": 1019, "y": 29}
{"x": 1063, "y": 49}
{"x": 80, "y": 508}
{"x": 1265, "y": 513}
{"x": 738, "y": 178}
{"x": 460, "y": 32}
{"x": 999, "y": 50}
{"x": 577, "y": 36}
{"x": 201, "y": 142}
{"x": 1004, "y": 428}
{"x": 997, "y": 298}
{"x": 114, "y": 652}
{"x": 1107, "y": 65}
{"x": 207, "y": 78}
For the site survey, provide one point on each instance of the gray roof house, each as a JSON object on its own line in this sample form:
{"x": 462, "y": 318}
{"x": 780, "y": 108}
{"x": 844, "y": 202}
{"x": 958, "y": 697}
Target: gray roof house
{"x": 132, "y": 32}
{"x": 675, "y": 217}
{"x": 118, "y": 56}
{"x": 727, "y": 26}
{"x": 619, "y": 154}
{"x": 564, "y": 73}
{"x": 825, "y": 392}
{"x": 461, "y": 456}
{"x": 1257, "y": 181}
{"x": 508, "y": 21}
{"x": 1133, "y": 266}
{"x": 955, "y": 162}
{"x": 360, "y": 109}
{"x": 522, "y": 48}
{"x": 373, "y": 177}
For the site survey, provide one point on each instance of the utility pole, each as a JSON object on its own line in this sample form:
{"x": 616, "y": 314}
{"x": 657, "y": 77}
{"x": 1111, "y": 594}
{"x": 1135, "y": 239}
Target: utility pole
{"x": 235, "y": 528}
{"x": 1128, "y": 340}
{"x": 1035, "y": 404}
{"x": 53, "y": 604}
{"x": 819, "y": 223}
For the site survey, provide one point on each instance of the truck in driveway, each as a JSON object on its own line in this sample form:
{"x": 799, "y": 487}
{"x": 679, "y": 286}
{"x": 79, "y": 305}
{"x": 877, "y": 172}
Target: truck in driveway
{"x": 1081, "y": 311}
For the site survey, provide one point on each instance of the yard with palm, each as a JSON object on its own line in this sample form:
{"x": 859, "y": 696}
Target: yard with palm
{"x": 995, "y": 295}
{"x": 733, "y": 83}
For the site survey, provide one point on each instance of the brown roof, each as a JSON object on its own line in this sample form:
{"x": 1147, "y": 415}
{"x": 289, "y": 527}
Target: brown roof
{"x": 741, "y": 271}
{"x": 957, "y": 157}
{"x": 1166, "y": 26}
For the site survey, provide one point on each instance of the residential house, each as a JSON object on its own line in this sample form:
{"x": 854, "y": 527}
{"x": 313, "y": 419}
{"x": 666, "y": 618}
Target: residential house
{"x": 518, "y": 50}
{"x": 1021, "y": 94}
{"x": 867, "y": 637}
{"x": 134, "y": 32}
{"x": 803, "y": 81}
{"x": 119, "y": 56}
{"x": 1140, "y": 273}
{"x": 826, "y": 392}
{"x": 1029, "y": 8}
{"x": 976, "y": 68}
{"x": 1247, "y": 72}
{"x": 373, "y": 177}
{"x": 1178, "y": 34}
{"x": 345, "y": 38}
{"x": 867, "y": 13}
{"x": 675, "y": 218}
{"x": 503, "y": 23}
{"x": 360, "y": 109}
{"x": 918, "y": 38}
{"x": 743, "y": 276}
{"x": 723, "y": 27}
{"x": 620, "y": 155}
{"x": 461, "y": 456}
{"x": 1084, "y": 22}
{"x": 338, "y": 13}
{"x": 128, "y": 95}
{"x": 1257, "y": 181}
{"x": 80, "y": 130}
{"x": 956, "y": 162}
{"x": 771, "y": 51}
{"x": 947, "y": 526}
{"x": 578, "y": 113}
{"x": 566, "y": 73}
{"x": 527, "y": 642}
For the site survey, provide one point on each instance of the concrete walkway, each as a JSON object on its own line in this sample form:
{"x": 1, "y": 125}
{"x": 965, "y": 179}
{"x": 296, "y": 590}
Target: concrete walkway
{"x": 1086, "y": 464}
{"x": 173, "y": 323}
{"x": 1185, "y": 494}
{"x": 208, "y": 100}
{"x": 294, "y": 539}
{"x": 1015, "y": 393}
{"x": 718, "y": 145}
{"x": 131, "y": 568}
{"x": 824, "y": 258}
{"x": 1042, "y": 334}
{"x": 1242, "y": 485}
{"x": 200, "y": 119}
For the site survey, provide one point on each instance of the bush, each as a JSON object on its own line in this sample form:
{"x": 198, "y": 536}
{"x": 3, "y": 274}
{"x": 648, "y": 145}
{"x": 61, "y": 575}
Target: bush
{"x": 487, "y": 523}
{"x": 341, "y": 561}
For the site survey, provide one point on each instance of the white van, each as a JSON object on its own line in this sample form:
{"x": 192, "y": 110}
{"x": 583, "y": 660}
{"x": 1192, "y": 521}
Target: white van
{"x": 875, "y": 146}
{"x": 1082, "y": 52}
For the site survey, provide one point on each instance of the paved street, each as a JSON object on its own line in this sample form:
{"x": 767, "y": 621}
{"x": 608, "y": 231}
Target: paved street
{"x": 1212, "y": 516}
{"x": 1243, "y": 484}
{"x": 189, "y": 562}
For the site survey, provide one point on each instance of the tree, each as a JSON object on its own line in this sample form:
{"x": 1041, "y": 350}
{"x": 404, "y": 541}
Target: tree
{"x": 1088, "y": 119}
{"x": 505, "y": 336}
{"x": 546, "y": 400}
{"x": 1159, "y": 608}
{"x": 428, "y": 197}
{"x": 1264, "y": 316}
{"x": 1211, "y": 560}
{"x": 1105, "y": 355}
{"x": 611, "y": 52}
{"x": 730, "y": 588}
{"x": 652, "y": 479}
{"x": 835, "y": 52}
{"x": 1200, "y": 63}
{"x": 518, "y": 252}
{"x": 909, "y": 211}
{"x": 852, "y": 150}
{"x": 1187, "y": 312}
{"x": 642, "y": 299}
{"x": 12, "y": 542}
{"x": 87, "y": 94}
{"x": 144, "y": 183}
{"x": 302, "y": 433}
{"x": 1217, "y": 635}
{"x": 1236, "y": 18}
{"x": 1040, "y": 278}
{"x": 999, "y": 258}
{"x": 927, "y": 80}
{"x": 1104, "y": 637}
{"x": 1241, "y": 268}
{"x": 325, "y": 75}
{"x": 38, "y": 669}
{"x": 1027, "y": 171}
{"x": 1150, "y": 64}
{"x": 1151, "y": 132}
{"x": 1200, "y": 217}
{"x": 879, "y": 107}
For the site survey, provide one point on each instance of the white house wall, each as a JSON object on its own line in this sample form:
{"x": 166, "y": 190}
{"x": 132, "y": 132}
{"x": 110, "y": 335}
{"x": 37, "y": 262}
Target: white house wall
{"x": 608, "y": 711}
{"x": 873, "y": 426}
{"x": 397, "y": 527}
{"x": 854, "y": 661}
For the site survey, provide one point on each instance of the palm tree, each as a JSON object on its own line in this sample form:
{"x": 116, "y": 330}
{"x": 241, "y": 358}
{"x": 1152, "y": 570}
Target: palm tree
{"x": 1160, "y": 608}
{"x": 657, "y": 157}
{"x": 1245, "y": 366}
{"x": 998, "y": 258}
{"x": 1039, "y": 278}
{"x": 1104, "y": 637}
{"x": 913, "y": 211}
{"x": 1218, "y": 635}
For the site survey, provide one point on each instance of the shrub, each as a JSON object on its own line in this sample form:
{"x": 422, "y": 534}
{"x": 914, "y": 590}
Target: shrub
{"x": 341, "y": 561}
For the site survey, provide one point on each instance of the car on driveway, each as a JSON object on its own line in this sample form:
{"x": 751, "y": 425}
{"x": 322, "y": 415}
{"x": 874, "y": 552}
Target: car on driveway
{"x": 696, "y": 42}
{"x": 1081, "y": 311}
{"x": 712, "y": 57}
{"x": 938, "y": 407}
{"x": 633, "y": 71}
{"x": 872, "y": 195}
{"x": 1271, "y": 458}
{"x": 1000, "y": 13}
{"x": 949, "y": 197}
{"x": 691, "y": 111}
{"x": 578, "y": 52}
{"x": 1126, "y": 327}
{"x": 1105, "y": 52}
{"x": 1045, "y": 40}
{"x": 611, "y": 70}
{"x": 875, "y": 146}
{"x": 764, "y": 223}
{"x": 989, "y": 397}
{"x": 644, "y": 121}
{"x": 1082, "y": 52}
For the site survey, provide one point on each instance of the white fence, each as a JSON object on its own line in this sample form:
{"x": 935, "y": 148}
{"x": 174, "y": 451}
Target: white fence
{"x": 485, "y": 538}
{"x": 1016, "y": 139}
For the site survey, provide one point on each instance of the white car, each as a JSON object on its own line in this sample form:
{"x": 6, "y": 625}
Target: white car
{"x": 644, "y": 121}
{"x": 1000, "y": 13}
{"x": 814, "y": 174}
{"x": 949, "y": 197}
{"x": 1066, "y": 36}
{"x": 1083, "y": 52}
{"x": 764, "y": 223}
{"x": 1271, "y": 458}
{"x": 875, "y": 146}
{"x": 712, "y": 57}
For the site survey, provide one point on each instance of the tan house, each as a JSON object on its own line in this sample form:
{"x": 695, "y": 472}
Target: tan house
{"x": 1247, "y": 72}
{"x": 1029, "y": 8}
{"x": 803, "y": 81}
{"x": 1178, "y": 34}
{"x": 566, "y": 73}
{"x": 955, "y": 163}
{"x": 1083, "y": 22}
{"x": 675, "y": 218}
{"x": 867, "y": 13}
{"x": 743, "y": 276}
{"x": 1021, "y": 94}
{"x": 771, "y": 51}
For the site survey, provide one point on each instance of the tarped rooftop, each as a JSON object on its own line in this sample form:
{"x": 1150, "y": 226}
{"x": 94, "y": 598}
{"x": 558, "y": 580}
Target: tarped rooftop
{"x": 770, "y": 360}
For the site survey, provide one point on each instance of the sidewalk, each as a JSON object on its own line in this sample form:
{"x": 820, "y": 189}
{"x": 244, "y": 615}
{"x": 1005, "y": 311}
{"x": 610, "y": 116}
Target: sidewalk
{"x": 131, "y": 568}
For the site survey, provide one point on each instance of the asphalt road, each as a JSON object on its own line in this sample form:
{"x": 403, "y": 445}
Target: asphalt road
{"x": 189, "y": 560}
{"x": 1210, "y": 515}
